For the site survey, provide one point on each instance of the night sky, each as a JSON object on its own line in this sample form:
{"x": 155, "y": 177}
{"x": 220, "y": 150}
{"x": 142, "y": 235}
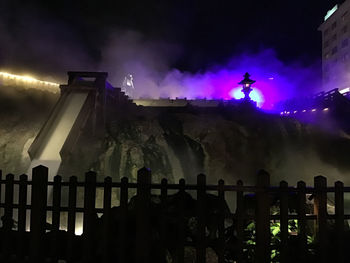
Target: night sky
{"x": 205, "y": 32}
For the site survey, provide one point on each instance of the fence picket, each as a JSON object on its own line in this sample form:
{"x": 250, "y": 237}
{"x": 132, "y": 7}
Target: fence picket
{"x": 262, "y": 251}
{"x": 22, "y": 215}
{"x": 38, "y": 212}
{"x": 180, "y": 241}
{"x": 123, "y": 223}
{"x": 320, "y": 183}
{"x": 284, "y": 220}
{"x": 143, "y": 215}
{"x": 339, "y": 220}
{"x": 163, "y": 230}
{"x": 7, "y": 219}
{"x": 221, "y": 225}
{"x": 89, "y": 216}
{"x": 240, "y": 221}
{"x": 56, "y": 204}
{"x": 107, "y": 203}
{"x": 72, "y": 203}
{"x": 201, "y": 198}
{"x": 301, "y": 211}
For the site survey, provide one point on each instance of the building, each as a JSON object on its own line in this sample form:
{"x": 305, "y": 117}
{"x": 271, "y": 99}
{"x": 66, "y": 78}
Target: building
{"x": 336, "y": 47}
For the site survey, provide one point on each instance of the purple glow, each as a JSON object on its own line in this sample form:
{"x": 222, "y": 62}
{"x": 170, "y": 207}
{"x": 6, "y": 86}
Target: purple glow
{"x": 275, "y": 81}
{"x": 255, "y": 95}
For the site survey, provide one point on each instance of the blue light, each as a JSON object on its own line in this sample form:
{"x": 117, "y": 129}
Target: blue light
{"x": 255, "y": 95}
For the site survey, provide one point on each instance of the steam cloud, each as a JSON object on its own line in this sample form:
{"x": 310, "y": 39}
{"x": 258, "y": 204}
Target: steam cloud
{"x": 32, "y": 42}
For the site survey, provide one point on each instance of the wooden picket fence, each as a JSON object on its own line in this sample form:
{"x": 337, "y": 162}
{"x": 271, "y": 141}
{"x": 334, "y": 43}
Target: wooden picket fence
{"x": 34, "y": 238}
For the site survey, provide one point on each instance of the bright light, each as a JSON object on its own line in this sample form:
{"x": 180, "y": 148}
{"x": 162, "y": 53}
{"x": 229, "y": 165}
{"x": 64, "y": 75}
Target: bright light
{"x": 27, "y": 79}
{"x": 304, "y": 110}
{"x": 295, "y": 111}
{"x": 331, "y": 12}
{"x": 325, "y": 109}
{"x": 282, "y": 113}
{"x": 255, "y": 95}
{"x": 344, "y": 90}
{"x": 313, "y": 110}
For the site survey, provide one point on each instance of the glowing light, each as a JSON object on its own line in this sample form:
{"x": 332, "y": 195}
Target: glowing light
{"x": 330, "y": 12}
{"x": 304, "y": 110}
{"x": 344, "y": 90}
{"x": 287, "y": 112}
{"x": 255, "y": 95}
{"x": 282, "y": 113}
{"x": 325, "y": 109}
{"x": 295, "y": 111}
{"x": 313, "y": 110}
{"x": 27, "y": 79}
{"x": 271, "y": 78}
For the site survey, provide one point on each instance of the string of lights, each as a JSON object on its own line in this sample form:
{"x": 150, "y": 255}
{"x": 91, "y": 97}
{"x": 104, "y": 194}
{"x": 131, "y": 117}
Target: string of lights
{"x": 27, "y": 80}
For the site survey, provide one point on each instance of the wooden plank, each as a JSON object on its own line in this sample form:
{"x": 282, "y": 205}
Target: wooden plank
{"x": 143, "y": 215}
{"x": 72, "y": 203}
{"x": 89, "y": 216}
{"x": 221, "y": 226}
{"x": 56, "y": 204}
{"x": 284, "y": 221}
{"x": 107, "y": 227}
{"x": 262, "y": 214}
{"x": 240, "y": 221}
{"x": 7, "y": 219}
{"x": 163, "y": 222}
{"x": 38, "y": 212}
{"x": 123, "y": 223}
{"x": 339, "y": 220}
{"x": 22, "y": 215}
{"x": 321, "y": 212}
{"x": 301, "y": 211}
{"x": 180, "y": 244}
{"x": 201, "y": 200}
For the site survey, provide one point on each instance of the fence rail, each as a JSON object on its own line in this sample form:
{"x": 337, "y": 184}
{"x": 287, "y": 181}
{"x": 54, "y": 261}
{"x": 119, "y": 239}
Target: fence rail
{"x": 98, "y": 239}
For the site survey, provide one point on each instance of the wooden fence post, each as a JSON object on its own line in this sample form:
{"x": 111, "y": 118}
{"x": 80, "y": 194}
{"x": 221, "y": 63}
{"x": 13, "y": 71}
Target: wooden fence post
{"x": 240, "y": 214}
{"x": 89, "y": 216}
{"x": 221, "y": 226}
{"x": 7, "y": 219}
{"x": 201, "y": 202}
{"x": 72, "y": 203}
{"x": 38, "y": 213}
{"x": 22, "y": 214}
{"x": 321, "y": 212}
{"x": 107, "y": 230}
{"x": 339, "y": 220}
{"x": 284, "y": 220}
{"x": 163, "y": 222}
{"x": 56, "y": 204}
{"x": 263, "y": 251}
{"x": 301, "y": 211}
{"x": 123, "y": 223}
{"x": 143, "y": 239}
{"x": 180, "y": 242}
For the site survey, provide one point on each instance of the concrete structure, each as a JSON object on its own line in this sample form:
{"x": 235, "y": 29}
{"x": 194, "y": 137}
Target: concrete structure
{"x": 336, "y": 47}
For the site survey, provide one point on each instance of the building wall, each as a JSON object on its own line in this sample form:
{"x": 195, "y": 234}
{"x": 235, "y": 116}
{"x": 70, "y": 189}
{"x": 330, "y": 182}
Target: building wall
{"x": 336, "y": 48}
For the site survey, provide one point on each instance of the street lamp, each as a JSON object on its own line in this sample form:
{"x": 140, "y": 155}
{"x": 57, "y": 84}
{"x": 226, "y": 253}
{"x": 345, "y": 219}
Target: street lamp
{"x": 246, "y": 82}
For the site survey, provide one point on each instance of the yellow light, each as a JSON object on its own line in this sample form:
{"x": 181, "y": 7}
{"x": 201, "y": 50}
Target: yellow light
{"x": 325, "y": 109}
{"x": 27, "y": 79}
